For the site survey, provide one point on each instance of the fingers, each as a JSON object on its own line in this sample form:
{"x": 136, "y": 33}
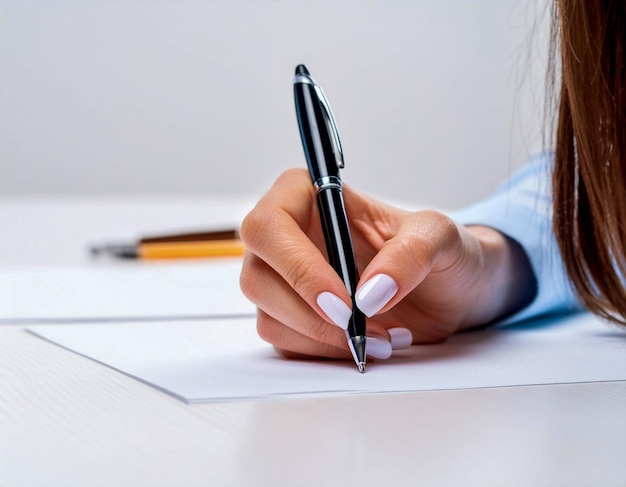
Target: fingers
{"x": 303, "y": 305}
{"x": 284, "y": 231}
{"x": 274, "y": 297}
{"x": 294, "y": 344}
{"x": 288, "y": 322}
{"x": 424, "y": 241}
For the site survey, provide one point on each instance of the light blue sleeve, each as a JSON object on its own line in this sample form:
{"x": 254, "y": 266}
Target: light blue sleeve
{"x": 522, "y": 210}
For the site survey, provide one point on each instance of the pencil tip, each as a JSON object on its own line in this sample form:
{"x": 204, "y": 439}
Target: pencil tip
{"x": 114, "y": 250}
{"x": 362, "y": 367}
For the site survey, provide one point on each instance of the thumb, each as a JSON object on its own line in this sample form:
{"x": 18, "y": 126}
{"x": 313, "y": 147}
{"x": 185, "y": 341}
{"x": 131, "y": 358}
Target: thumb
{"x": 405, "y": 260}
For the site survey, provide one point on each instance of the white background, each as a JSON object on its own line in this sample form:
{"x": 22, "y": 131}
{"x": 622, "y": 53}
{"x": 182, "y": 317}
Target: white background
{"x": 437, "y": 101}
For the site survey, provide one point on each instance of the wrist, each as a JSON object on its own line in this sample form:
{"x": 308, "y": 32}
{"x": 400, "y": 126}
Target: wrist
{"x": 507, "y": 282}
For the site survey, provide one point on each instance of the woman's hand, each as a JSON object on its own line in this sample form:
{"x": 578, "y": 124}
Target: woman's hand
{"x": 423, "y": 277}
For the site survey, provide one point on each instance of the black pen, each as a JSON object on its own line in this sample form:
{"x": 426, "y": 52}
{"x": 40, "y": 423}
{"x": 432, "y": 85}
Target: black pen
{"x": 324, "y": 156}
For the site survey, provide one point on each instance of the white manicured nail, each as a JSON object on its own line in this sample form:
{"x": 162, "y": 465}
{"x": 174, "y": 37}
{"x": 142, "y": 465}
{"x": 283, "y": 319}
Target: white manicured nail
{"x": 375, "y": 294}
{"x": 378, "y": 348}
{"x": 400, "y": 338}
{"x": 335, "y": 309}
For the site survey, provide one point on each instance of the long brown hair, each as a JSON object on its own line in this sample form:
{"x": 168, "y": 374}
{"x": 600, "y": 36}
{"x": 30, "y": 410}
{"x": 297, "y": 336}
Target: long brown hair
{"x": 589, "y": 178}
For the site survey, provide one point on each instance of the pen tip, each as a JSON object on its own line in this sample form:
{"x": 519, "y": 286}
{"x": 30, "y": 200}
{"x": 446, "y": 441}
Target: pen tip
{"x": 301, "y": 69}
{"x": 357, "y": 347}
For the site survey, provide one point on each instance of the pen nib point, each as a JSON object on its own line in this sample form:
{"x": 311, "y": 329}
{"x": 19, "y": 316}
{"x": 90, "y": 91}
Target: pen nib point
{"x": 357, "y": 347}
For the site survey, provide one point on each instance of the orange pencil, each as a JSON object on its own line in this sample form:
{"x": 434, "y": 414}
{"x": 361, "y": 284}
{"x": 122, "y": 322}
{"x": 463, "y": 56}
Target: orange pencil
{"x": 184, "y": 246}
{"x": 191, "y": 250}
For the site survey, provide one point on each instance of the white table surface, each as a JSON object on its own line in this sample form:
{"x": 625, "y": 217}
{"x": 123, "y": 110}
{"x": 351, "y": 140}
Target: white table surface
{"x": 66, "y": 420}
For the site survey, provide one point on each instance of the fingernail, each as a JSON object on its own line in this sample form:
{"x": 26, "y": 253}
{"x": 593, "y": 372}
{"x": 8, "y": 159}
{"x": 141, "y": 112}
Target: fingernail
{"x": 378, "y": 348}
{"x": 335, "y": 309}
{"x": 400, "y": 338}
{"x": 375, "y": 294}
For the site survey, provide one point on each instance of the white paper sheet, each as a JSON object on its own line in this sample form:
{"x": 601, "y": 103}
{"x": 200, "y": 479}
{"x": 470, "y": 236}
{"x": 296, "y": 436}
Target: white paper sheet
{"x": 219, "y": 360}
{"x": 138, "y": 291}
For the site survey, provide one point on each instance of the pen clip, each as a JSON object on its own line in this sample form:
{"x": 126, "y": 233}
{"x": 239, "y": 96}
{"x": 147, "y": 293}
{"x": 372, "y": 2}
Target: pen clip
{"x": 336, "y": 142}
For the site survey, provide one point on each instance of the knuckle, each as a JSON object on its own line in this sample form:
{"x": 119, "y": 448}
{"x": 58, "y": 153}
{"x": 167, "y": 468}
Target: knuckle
{"x": 298, "y": 274}
{"x": 267, "y": 329}
{"x": 261, "y": 221}
{"x": 423, "y": 236}
{"x": 250, "y": 277}
{"x": 429, "y": 232}
{"x": 441, "y": 224}
{"x": 417, "y": 249}
{"x": 247, "y": 226}
{"x": 252, "y": 225}
{"x": 293, "y": 173}
{"x": 323, "y": 332}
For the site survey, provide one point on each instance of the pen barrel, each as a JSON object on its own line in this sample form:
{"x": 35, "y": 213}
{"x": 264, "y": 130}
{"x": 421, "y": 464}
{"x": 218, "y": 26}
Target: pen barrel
{"x": 315, "y": 133}
{"x": 339, "y": 248}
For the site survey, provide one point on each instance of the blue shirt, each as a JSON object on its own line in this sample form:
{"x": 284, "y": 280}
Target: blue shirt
{"x": 522, "y": 210}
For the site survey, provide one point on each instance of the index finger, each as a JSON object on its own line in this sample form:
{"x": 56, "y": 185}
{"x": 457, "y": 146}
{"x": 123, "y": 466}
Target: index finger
{"x": 284, "y": 231}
